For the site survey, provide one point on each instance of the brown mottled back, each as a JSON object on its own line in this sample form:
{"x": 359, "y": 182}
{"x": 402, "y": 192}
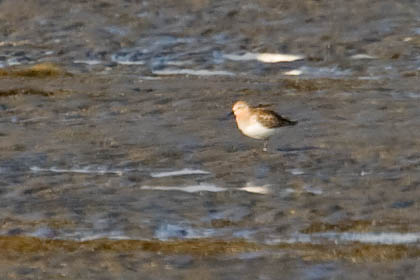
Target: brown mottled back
{"x": 271, "y": 119}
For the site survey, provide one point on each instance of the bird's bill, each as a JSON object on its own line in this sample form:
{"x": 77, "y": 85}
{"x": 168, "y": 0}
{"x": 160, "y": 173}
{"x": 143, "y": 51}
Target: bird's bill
{"x": 228, "y": 116}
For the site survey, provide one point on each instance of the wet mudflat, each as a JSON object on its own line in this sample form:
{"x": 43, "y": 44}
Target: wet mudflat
{"x": 117, "y": 160}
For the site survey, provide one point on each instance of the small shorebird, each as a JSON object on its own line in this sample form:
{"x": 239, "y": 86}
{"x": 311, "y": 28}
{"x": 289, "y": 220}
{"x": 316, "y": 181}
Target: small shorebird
{"x": 258, "y": 123}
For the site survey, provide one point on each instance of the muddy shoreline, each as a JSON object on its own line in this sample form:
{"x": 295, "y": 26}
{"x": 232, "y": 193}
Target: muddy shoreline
{"x": 117, "y": 159}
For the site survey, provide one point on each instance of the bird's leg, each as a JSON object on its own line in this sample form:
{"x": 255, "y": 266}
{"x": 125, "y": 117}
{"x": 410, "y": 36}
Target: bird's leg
{"x": 265, "y": 146}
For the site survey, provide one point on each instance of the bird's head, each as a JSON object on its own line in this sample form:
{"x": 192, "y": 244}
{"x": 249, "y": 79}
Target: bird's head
{"x": 240, "y": 107}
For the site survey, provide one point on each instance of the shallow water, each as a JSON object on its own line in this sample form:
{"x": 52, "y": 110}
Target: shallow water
{"x": 117, "y": 160}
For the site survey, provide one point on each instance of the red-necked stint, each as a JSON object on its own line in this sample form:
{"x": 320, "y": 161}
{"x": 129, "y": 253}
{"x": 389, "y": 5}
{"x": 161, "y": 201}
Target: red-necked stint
{"x": 258, "y": 123}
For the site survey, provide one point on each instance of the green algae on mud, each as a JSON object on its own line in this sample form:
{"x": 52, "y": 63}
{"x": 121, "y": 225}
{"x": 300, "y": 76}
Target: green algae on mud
{"x": 197, "y": 247}
{"x": 41, "y": 70}
{"x": 357, "y": 226}
{"x": 354, "y": 252}
{"x": 10, "y": 223}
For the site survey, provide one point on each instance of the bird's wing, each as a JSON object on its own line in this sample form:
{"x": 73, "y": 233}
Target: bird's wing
{"x": 271, "y": 119}
{"x": 263, "y": 105}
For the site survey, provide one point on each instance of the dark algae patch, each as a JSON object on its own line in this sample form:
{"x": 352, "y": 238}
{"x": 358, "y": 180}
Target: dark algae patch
{"x": 357, "y": 225}
{"x": 25, "y": 91}
{"x": 321, "y": 84}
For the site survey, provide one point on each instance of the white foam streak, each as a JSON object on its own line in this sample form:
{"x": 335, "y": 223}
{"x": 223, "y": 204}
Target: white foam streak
{"x": 312, "y": 190}
{"x": 13, "y": 61}
{"x": 252, "y": 188}
{"x": 112, "y": 236}
{"x": 83, "y": 236}
{"x": 318, "y": 72}
{"x": 294, "y": 72}
{"x": 124, "y": 60}
{"x": 381, "y": 238}
{"x": 296, "y": 171}
{"x": 256, "y": 189}
{"x": 85, "y": 170}
{"x": 88, "y": 62}
{"x": 188, "y": 189}
{"x": 180, "y": 63}
{"x": 127, "y": 62}
{"x": 151, "y": 78}
{"x": 181, "y": 172}
{"x": 264, "y": 57}
{"x": 193, "y": 72}
{"x": 362, "y": 56}
{"x": 388, "y": 238}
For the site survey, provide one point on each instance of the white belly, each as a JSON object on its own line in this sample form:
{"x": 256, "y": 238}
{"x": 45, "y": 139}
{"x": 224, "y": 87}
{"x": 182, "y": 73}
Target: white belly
{"x": 257, "y": 131}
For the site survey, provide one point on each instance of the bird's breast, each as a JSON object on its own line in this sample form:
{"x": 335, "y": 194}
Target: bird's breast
{"x": 255, "y": 130}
